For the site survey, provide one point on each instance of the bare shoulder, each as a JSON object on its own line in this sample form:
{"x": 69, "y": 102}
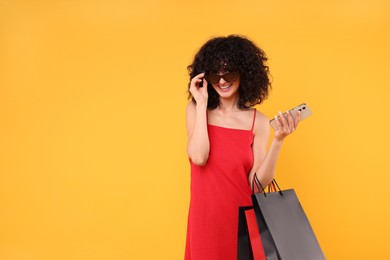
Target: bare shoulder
{"x": 261, "y": 123}
{"x": 261, "y": 119}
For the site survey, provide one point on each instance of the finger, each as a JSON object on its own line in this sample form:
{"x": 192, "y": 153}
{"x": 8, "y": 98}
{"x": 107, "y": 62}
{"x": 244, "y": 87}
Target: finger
{"x": 195, "y": 80}
{"x": 290, "y": 121}
{"x": 204, "y": 87}
{"x": 196, "y": 84}
{"x": 204, "y": 83}
{"x": 199, "y": 76}
{"x": 283, "y": 120}
{"x": 193, "y": 87}
{"x": 297, "y": 119}
{"x": 199, "y": 83}
{"x": 194, "y": 90}
{"x": 278, "y": 124}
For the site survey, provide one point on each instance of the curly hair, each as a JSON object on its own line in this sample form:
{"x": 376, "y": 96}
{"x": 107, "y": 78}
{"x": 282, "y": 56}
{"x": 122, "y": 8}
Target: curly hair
{"x": 234, "y": 53}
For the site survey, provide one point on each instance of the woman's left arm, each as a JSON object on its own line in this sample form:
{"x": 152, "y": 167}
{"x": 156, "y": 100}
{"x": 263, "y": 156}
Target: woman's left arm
{"x": 265, "y": 162}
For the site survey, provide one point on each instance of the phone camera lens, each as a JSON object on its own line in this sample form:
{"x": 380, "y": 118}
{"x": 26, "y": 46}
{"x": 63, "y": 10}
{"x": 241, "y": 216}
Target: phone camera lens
{"x": 303, "y": 107}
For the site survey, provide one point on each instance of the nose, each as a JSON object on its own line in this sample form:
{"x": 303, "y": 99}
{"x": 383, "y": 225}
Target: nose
{"x": 222, "y": 81}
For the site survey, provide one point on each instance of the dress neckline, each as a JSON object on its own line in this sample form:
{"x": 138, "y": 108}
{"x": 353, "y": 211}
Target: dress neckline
{"x": 229, "y": 128}
{"x": 236, "y": 129}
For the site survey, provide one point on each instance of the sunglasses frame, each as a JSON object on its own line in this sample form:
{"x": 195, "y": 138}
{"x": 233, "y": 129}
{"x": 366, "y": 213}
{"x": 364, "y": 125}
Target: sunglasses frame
{"x": 209, "y": 75}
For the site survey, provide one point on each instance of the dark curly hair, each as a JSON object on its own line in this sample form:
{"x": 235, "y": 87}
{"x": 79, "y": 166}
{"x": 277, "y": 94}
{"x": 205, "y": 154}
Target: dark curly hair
{"x": 234, "y": 53}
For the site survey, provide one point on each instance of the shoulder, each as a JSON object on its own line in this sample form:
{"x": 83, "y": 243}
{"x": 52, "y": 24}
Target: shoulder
{"x": 261, "y": 123}
{"x": 260, "y": 117}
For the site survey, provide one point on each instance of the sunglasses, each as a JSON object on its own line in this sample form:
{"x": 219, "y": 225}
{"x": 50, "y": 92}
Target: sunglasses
{"x": 214, "y": 78}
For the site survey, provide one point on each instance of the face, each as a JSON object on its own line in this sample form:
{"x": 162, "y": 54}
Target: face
{"x": 225, "y": 83}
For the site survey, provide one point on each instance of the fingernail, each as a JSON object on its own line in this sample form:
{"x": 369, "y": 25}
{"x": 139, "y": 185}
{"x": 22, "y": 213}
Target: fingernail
{"x": 280, "y": 112}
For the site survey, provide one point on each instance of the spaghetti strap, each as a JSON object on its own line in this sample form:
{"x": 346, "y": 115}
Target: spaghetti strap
{"x": 254, "y": 119}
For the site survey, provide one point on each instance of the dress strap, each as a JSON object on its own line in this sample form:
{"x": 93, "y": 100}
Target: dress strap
{"x": 254, "y": 119}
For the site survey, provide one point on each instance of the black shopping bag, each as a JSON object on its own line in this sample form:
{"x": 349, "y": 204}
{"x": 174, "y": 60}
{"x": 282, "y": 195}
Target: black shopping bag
{"x": 244, "y": 250}
{"x": 284, "y": 228}
{"x": 249, "y": 243}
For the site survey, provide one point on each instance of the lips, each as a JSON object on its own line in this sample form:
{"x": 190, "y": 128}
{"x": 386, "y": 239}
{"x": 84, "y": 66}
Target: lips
{"x": 225, "y": 88}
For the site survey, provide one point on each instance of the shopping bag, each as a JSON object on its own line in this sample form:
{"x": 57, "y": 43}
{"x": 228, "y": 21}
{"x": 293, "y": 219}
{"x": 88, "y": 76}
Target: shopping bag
{"x": 249, "y": 245}
{"x": 284, "y": 228}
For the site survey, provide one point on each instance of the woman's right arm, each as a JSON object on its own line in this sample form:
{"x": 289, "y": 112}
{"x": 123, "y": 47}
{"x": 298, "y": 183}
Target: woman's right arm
{"x": 198, "y": 145}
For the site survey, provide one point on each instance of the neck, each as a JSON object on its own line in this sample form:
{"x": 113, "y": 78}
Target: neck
{"x": 229, "y": 105}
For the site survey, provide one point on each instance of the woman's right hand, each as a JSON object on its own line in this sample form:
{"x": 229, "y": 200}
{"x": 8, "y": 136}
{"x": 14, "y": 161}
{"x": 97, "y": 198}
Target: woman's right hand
{"x": 198, "y": 89}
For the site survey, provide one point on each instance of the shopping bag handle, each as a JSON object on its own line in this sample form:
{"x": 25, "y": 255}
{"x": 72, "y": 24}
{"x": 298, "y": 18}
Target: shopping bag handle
{"x": 270, "y": 186}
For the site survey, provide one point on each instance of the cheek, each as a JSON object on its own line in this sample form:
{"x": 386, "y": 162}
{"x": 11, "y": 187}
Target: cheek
{"x": 237, "y": 83}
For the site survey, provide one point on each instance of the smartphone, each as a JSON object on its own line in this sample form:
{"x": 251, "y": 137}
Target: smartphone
{"x": 305, "y": 112}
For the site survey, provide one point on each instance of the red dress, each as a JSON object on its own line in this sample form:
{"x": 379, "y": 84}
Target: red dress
{"x": 217, "y": 190}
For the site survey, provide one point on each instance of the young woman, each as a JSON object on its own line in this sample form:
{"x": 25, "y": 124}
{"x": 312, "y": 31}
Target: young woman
{"x": 227, "y": 142}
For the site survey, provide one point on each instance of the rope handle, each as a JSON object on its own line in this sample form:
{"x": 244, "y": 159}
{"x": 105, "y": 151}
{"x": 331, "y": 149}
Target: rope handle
{"x": 271, "y": 186}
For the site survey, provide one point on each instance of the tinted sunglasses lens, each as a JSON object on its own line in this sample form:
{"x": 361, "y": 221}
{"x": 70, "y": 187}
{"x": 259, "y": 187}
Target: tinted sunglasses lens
{"x": 231, "y": 76}
{"x": 212, "y": 78}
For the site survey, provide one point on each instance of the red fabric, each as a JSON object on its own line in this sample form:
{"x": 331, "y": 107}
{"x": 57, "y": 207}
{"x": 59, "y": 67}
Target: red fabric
{"x": 254, "y": 235}
{"x": 218, "y": 189}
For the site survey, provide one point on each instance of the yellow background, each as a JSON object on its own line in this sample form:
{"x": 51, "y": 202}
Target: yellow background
{"x": 92, "y": 121}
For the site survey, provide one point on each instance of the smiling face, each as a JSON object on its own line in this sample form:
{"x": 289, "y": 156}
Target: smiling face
{"x": 227, "y": 87}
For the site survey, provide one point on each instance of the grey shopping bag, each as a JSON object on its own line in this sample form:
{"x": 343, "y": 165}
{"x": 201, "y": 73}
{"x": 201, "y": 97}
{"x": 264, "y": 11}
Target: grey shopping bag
{"x": 284, "y": 228}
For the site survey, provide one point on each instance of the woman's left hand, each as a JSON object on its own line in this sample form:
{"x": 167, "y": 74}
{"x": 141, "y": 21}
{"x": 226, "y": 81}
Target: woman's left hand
{"x": 286, "y": 126}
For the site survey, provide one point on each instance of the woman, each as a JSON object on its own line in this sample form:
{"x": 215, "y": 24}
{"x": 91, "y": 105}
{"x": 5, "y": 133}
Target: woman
{"x": 227, "y": 142}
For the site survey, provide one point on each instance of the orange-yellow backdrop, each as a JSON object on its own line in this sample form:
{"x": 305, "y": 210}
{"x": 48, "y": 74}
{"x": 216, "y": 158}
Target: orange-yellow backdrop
{"x": 92, "y": 121}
